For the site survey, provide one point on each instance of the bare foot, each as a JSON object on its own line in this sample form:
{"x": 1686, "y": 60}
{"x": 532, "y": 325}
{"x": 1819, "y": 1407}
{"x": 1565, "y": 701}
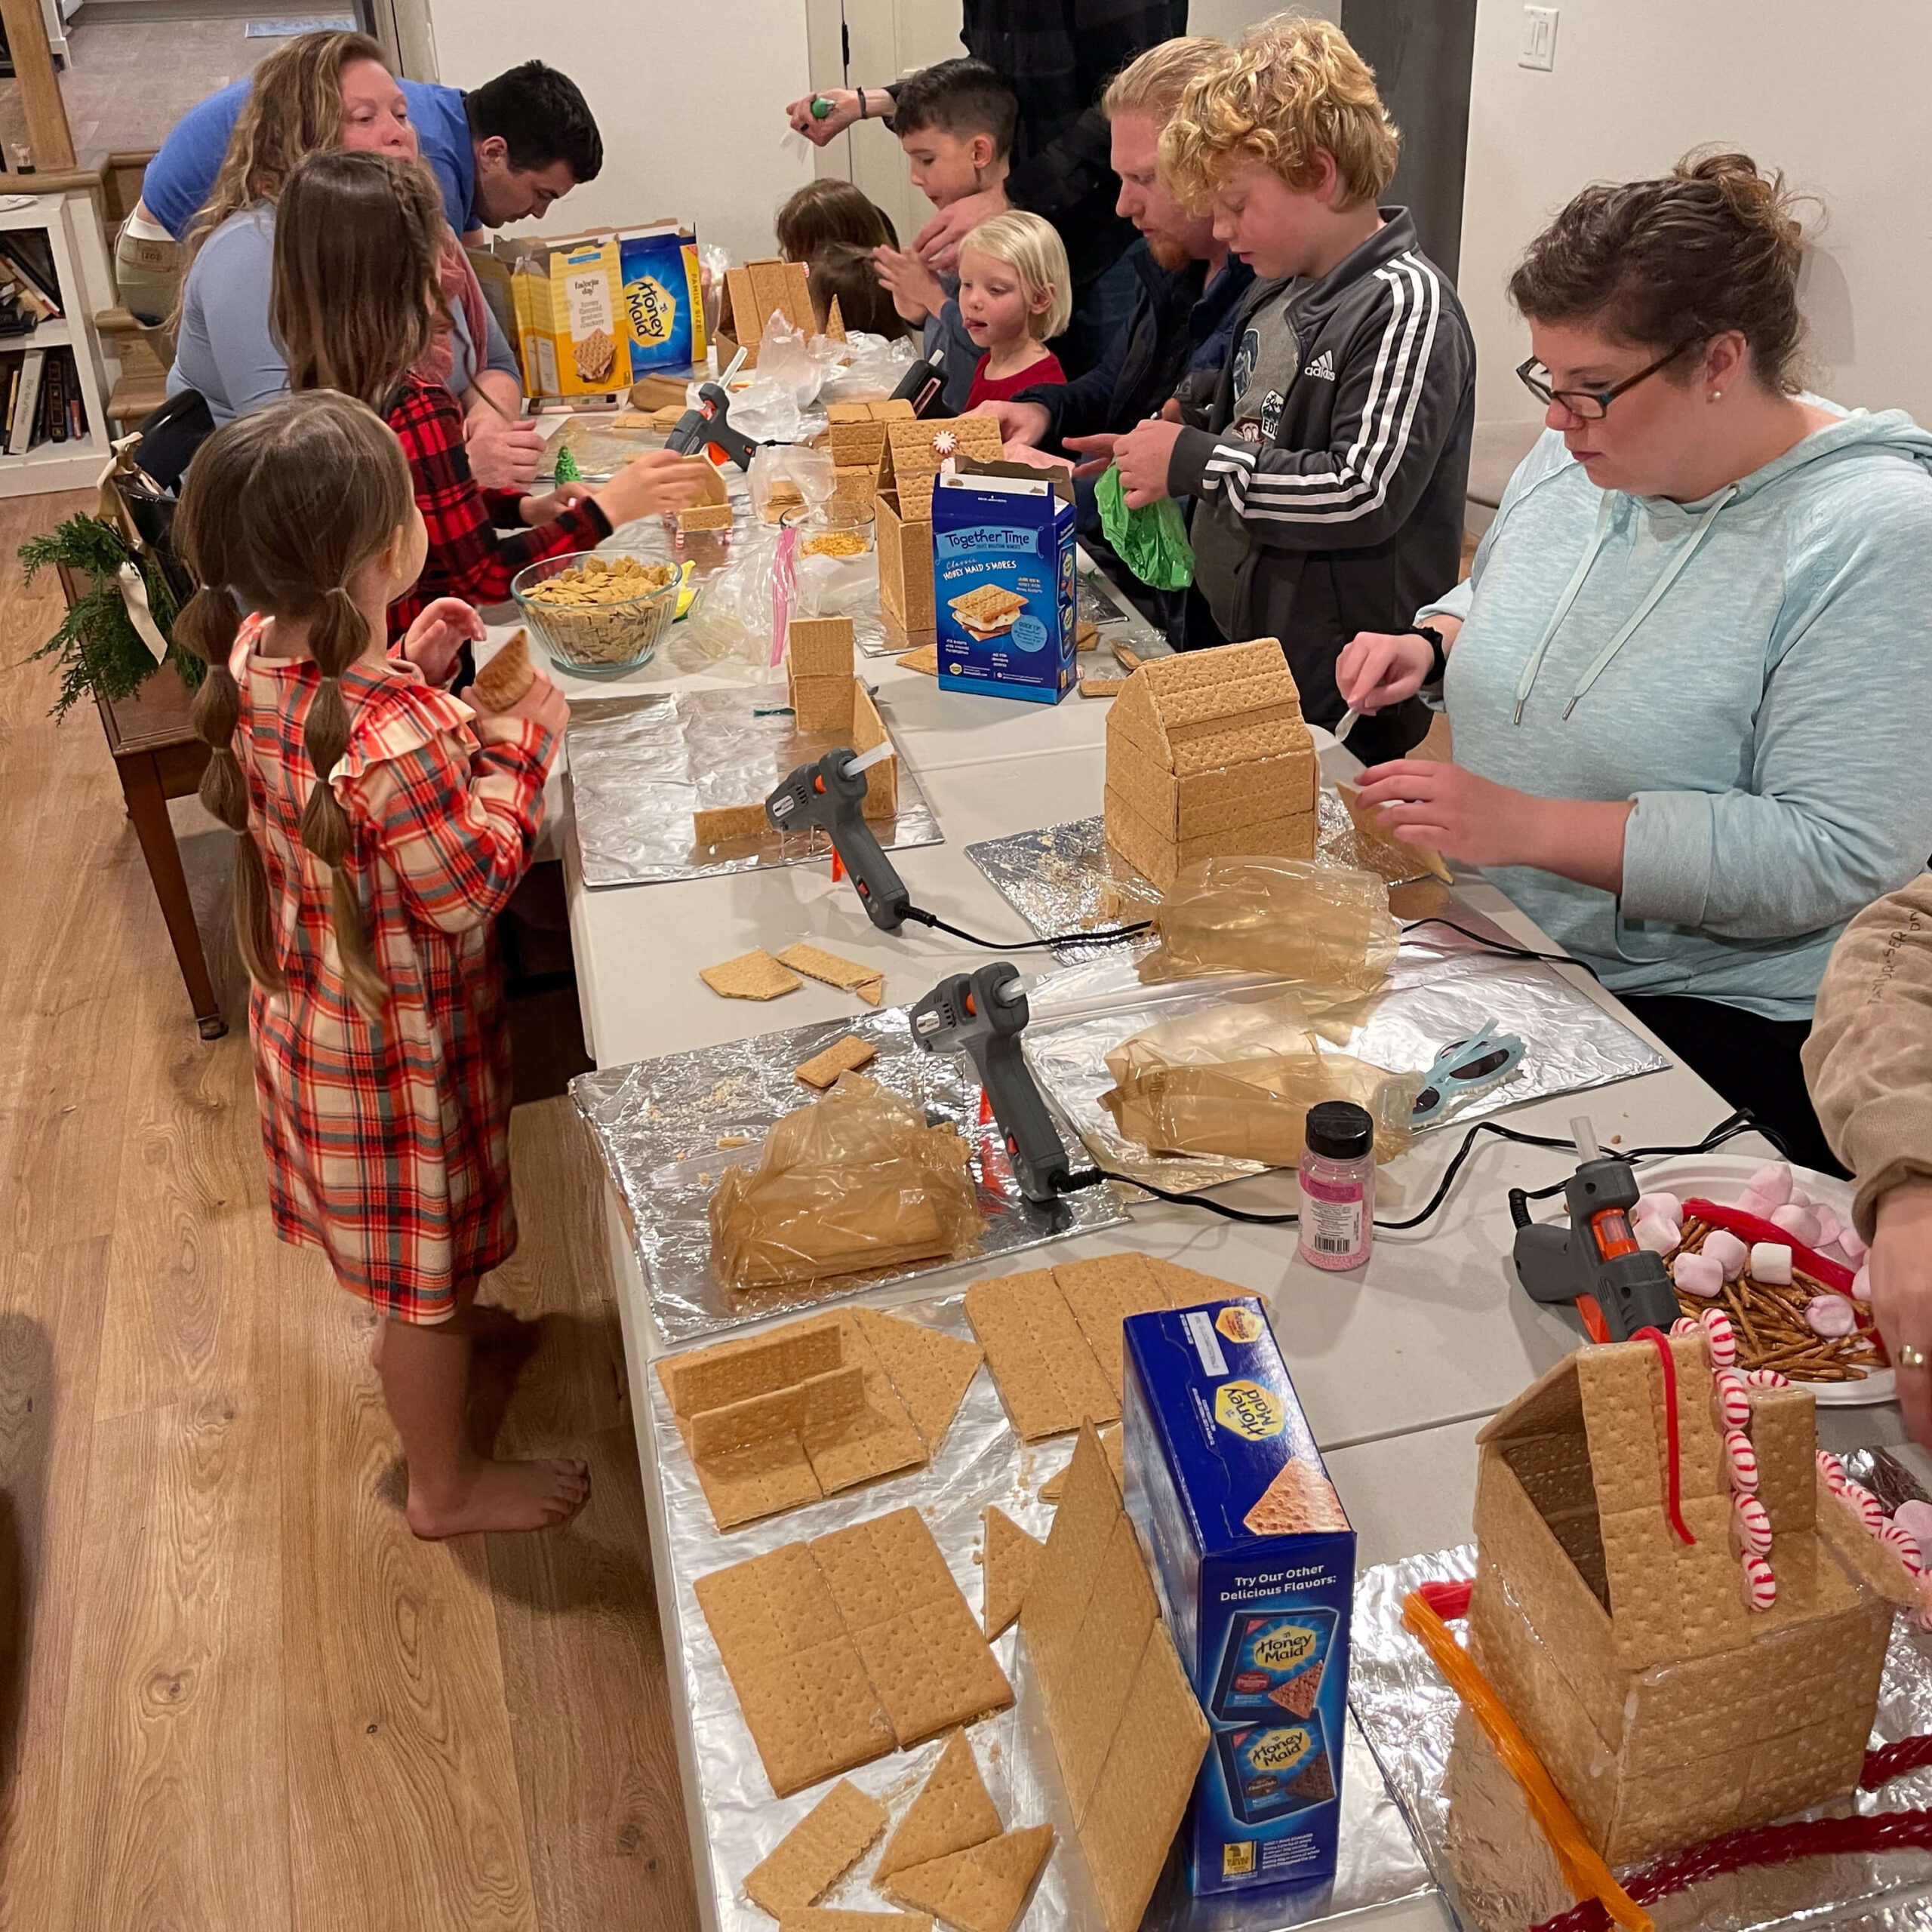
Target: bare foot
{"x": 505, "y": 1495}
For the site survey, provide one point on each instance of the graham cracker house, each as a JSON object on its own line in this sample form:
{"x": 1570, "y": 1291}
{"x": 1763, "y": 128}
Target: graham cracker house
{"x": 828, "y": 699}
{"x": 1208, "y": 758}
{"x": 909, "y": 462}
{"x": 1665, "y": 1710}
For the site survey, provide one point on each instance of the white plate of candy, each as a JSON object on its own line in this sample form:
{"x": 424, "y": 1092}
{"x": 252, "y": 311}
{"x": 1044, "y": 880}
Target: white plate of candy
{"x": 1780, "y": 1257}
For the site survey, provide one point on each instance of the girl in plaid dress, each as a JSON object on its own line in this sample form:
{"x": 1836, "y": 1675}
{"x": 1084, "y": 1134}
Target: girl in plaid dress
{"x": 383, "y": 824}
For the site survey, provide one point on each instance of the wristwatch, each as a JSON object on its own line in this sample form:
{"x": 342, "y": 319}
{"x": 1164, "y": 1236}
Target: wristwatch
{"x": 1439, "y": 654}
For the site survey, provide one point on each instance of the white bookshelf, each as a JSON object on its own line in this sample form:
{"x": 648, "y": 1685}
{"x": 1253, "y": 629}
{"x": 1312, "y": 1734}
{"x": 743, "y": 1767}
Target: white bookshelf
{"x": 75, "y": 464}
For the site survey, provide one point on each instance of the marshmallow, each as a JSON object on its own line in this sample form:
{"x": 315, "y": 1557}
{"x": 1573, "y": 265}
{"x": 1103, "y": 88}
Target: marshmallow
{"x": 1750, "y": 1526}
{"x": 1852, "y": 1244}
{"x": 1655, "y": 1233}
{"x": 1830, "y": 1316}
{"x": 1766, "y": 1378}
{"x": 1904, "y": 1546}
{"x": 1772, "y": 1182}
{"x": 1760, "y": 1587}
{"x": 1697, "y": 1275}
{"x": 1743, "y": 1461}
{"x": 1861, "y": 1283}
{"x": 1915, "y": 1518}
{"x": 1799, "y": 1198}
{"x": 1756, "y": 1205}
{"x": 1727, "y": 1251}
{"x": 1770, "y": 1263}
{"x": 1720, "y": 1336}
{"x": 1801, "y": 1223}
{"x": 1870, "y": 1511}
{"x": 1829, "y": 1226}
{"x": 1733, "y": 1399}
{"x": 1659, "y": 1207}
{"x": 1833, "y": 1470}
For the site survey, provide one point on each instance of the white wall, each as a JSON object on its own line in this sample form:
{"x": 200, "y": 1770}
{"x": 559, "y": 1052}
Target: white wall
{"x": 1227, "y": 19}
{"x": 689, "y": 99}
{"x": 1834, "y": 95}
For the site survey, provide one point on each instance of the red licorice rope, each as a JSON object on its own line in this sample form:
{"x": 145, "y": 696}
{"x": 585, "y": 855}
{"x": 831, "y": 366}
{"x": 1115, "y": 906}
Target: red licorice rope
{"x": 1762, "y": 1844}
{"x": 1671, "y": 1505}
{"x": 1894, "y": 1761}
{"x": 1450, "y": 1600}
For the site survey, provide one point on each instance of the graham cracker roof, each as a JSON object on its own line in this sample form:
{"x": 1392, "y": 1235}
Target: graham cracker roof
{"x": 1201, "y": 710}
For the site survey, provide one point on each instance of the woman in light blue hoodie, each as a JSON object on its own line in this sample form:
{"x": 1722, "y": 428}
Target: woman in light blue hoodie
{"x": 1690, "y": 678}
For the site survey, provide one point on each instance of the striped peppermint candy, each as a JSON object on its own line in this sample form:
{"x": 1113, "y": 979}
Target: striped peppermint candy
{"x": 1868, "y": 1506}
{"x": 1766, "y": 1378}
{"x": 1752, "y": 1524}
{"x": 1760, "y": 1587}
{"x": 1733, "y": 1399}
{"x": 1904, "y": 1546}
{"x": 1833, "y": 1470}
{"x": 1743, "y": 1459}
{"x": 1684, "y": 1324}
{"x": 1716, "y": 1325}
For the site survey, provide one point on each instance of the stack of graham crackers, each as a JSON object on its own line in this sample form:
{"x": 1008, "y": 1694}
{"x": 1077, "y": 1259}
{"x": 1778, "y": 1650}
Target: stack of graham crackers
{"x": 1207, "y": 756}
{"x": 814, "y": 1407}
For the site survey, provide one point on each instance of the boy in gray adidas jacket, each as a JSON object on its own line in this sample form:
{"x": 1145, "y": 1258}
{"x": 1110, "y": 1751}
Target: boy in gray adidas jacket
{"x": 1329, "y": 475}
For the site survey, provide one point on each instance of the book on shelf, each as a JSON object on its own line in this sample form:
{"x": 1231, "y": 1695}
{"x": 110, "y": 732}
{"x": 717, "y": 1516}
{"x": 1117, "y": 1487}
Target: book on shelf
{"x": 26, "y": 412}
{"x": 55, "y": 413}
{"x": 44, "y": 402}
{"x": 26, "y": 255}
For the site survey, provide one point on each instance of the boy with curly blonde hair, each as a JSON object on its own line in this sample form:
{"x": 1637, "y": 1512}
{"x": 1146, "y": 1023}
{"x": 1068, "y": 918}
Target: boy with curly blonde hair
{"x": 1329, "y": 473}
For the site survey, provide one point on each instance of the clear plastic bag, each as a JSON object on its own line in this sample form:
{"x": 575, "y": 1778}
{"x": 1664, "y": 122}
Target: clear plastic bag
{"x": 870, "y": 368}
{"x": 854, "y": 1182}
{"x": 1237, "y": 1081}
{"x": 732, "y": 616}
{"x": 712, "y": 261}
{"x": 809, "y": 472}
{"x": 1319, "y": 926}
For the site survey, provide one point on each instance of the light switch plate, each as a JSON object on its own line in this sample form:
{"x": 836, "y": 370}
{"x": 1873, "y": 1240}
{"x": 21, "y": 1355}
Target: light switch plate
{"x": 1539, "y": 39}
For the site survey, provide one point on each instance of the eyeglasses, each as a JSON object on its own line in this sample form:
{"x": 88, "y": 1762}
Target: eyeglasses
{"x": 1591, "y": 404}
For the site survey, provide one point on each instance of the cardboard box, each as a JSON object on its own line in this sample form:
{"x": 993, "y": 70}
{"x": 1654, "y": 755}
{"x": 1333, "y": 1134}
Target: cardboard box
{"x": 1003, "y": 581}
{"x": 1254, "y": 1560}
{"x": 663, "y": 300}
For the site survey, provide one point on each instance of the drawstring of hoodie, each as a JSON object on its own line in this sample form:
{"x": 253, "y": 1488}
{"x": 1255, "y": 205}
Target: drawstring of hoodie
{"x": 1601, "y": 662}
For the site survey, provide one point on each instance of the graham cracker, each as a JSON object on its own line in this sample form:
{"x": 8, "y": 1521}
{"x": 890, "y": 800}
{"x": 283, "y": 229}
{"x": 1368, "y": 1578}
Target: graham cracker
{"x": 1064, "y": 1571}
{"x": 918, "y": 447}
{"x": 986, "y": 604}
{"x": 926, "y": 1658}
{"x": 719, "y": 824}
{"x": 1096, "y": 1673}
{"x": 1086, "y": 634}
{"x": 1047, "y": 1374}
{"x": 729, "y": 1371}
{"x": 814, "y": 1406}
{"x": 847, "y": 975}
{"x": 931, "y": 1371}
{"x": 820, "y": 705}
{"x": 820, "y": 646}
{"x": 1379, "y": 851}
{"x": 1102, "y": 1294}
{"x": 825, "y": 1843}
{"x": 924, "y": 659}
{"x": 877, "y": 1440}
{"x": 505, "y": 678}
{"x": 1011, "y": 1554}
{"x": 952, "y": 1813}
{"x": 1300, "y": 1499}
{"x": 1101, "y": 687}
{"x": 981, "y": 1889}
{"x": 705, "y": 516}
{"x": 823, "y": 1918}
{"x": 1187, "y": 1288}
{"x": 1054, "y": 1488}
{"x": 1129, "y": 659}
{"x": 845, "y": 1056}
{"x": 753, "y": 975}
{"x": 742, "y": 1485}
{"x": 807, "y": 1700}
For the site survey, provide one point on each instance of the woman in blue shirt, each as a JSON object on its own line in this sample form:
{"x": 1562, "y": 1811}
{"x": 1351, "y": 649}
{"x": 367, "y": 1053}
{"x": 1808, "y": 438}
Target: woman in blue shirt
{"x": 1688, "y": 678}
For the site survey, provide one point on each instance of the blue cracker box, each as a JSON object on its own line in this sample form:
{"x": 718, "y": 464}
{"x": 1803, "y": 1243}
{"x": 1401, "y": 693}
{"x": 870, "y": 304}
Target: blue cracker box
{"x": 662, "y": 297}
{"x": 1254, "y": 1560}
{"x": 1003, "y": 581}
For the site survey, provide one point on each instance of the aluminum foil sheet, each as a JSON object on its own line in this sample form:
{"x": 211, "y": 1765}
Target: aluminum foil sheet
{"x": 1103, "y": 604}
{"x": 658, "y": 1124}
{"x": 980, "y": 1462}
{"x": 641, "y": 765}
{"x": 1409, "y": 1713}
{"x": 1442, "y": 986}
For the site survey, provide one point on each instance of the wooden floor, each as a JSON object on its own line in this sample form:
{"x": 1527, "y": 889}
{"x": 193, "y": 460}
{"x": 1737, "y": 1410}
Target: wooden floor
{"x": 235, "y": 1695}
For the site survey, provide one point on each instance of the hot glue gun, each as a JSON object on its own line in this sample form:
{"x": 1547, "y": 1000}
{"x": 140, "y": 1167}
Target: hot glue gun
{"x": 706, "y": 425}
{"x": 830, "y": 796}
{"x": 983, "y": 1014}
{"x": 1618, "y": 1286}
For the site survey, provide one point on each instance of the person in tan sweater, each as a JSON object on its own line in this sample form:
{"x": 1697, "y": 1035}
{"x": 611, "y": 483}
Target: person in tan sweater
{"x": 1868, "y": 1063}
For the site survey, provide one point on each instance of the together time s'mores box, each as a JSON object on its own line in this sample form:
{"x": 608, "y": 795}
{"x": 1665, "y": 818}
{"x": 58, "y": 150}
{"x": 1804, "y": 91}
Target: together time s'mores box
{"x": 1003, "y": 581}
{"x": 1255, "y": 1562}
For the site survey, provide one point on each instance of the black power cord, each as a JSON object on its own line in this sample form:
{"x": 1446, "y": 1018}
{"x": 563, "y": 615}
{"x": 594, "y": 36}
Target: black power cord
{"x": 1502, "y": 949}
{"x": 1108, "y": 935}
{"x": 1742, "y": 1121}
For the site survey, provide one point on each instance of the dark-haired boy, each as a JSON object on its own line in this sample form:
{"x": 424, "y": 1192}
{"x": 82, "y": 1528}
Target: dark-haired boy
{"x": 955, "y": 121}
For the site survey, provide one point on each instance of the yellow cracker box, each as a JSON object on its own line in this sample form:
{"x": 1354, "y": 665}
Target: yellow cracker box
{"x": 572, "y": 339}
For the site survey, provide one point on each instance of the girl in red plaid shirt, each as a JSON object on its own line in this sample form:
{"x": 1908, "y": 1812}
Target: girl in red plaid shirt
{"x": 355, "y": 300}
{"x": 382, "y": 825}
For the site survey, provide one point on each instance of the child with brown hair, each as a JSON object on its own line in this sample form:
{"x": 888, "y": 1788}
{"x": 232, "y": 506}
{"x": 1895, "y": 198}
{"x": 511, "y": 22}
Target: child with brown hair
{"x": 829, "y": 212}
{"x": 382, "y": 825}
{"x": 846, "y": 274}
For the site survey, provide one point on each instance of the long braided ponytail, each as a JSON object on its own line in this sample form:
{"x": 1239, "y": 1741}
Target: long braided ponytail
{"x": 286, "y": 508}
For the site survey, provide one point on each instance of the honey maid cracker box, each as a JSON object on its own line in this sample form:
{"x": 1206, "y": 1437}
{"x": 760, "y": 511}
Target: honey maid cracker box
{"x": 1254, "y": 1560}
{"x": 1003, "y": 580}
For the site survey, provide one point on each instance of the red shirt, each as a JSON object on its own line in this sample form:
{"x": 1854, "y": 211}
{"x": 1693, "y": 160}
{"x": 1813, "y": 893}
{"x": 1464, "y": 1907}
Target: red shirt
{"x": 987, "y": 389}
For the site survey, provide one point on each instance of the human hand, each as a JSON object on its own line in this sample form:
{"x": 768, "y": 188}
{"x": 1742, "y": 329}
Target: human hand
{"x": 651, "y": 485}
{"x": 1375, "y": 670}
{"x": 1170, "y": 410}
{"x": 1097, "y": 449}
{"x": 542, "y": 703}
{"x": 1035, "y": 459}
{"x": 1019, "y": 422}
{"x": 1421, "y": 802}
{"x": 546, "y": 508}
{"x": 938, "y": 244}
{"x": 1141, "y": 457}
{"x": 914, "y": 289}
{"x": 504, "y": 450}
{"x": 844, "y": 111}
{"x": 433, "y": 643}
{"x": 1901, "y": 1270}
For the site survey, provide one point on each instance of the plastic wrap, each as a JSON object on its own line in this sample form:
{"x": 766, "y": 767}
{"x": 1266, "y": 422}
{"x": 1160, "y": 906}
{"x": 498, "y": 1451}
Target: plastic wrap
{"x": 809, "y": 472}
{"x": 1295, "y": 919}
{"x": 1237, "y": 1081}
{"x": 855, "y": 1181}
